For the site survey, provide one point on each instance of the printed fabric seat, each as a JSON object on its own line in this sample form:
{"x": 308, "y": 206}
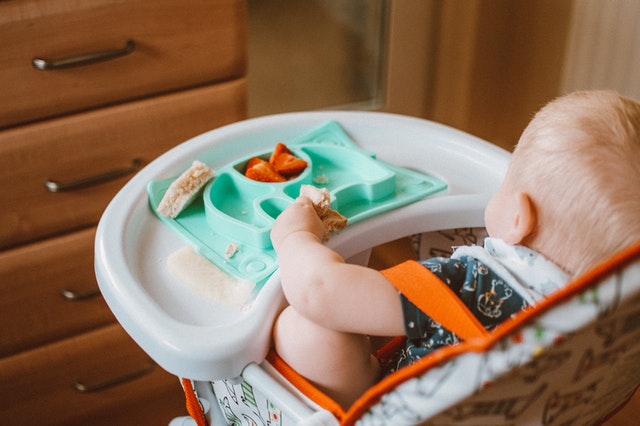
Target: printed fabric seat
{"x": 571, "y": 359}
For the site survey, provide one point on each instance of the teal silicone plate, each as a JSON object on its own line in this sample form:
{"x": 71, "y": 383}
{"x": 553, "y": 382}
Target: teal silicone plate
{"x": 237, "y": 212}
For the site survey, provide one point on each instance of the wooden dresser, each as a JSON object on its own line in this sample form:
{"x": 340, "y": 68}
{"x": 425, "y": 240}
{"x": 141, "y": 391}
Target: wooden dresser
{"x": 90, "y": 91}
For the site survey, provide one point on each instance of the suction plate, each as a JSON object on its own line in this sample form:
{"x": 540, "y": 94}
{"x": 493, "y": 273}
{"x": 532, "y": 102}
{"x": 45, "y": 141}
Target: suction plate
{"x": 236, "y": 210}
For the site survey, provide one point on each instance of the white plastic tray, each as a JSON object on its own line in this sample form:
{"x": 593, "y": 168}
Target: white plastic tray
{"x": 195, "y": 338}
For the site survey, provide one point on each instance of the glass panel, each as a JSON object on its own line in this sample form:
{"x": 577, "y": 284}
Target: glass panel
{"x": 316, "y": 54}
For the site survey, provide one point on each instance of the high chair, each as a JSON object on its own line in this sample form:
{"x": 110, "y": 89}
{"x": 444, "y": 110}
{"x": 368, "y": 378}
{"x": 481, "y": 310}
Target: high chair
{"x": 569, "y": 360}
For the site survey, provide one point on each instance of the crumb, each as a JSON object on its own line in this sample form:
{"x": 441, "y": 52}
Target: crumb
{"x": 232, "y": 249}
{"x": 321, "y": 179}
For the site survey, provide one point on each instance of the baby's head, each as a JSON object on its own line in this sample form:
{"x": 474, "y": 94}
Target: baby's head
{"x": 578, "y": 161}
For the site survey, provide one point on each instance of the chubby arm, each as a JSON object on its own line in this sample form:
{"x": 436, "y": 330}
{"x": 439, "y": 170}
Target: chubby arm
{"x": 322, "y": 287}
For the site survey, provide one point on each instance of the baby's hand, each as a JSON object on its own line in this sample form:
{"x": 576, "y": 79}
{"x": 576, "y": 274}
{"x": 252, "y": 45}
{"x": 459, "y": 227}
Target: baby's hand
{"x": 299, "y": 216}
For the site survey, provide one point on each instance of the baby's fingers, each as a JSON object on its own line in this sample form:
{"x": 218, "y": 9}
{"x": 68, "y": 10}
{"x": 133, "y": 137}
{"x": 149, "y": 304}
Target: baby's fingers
{"x": 293, "y": 218}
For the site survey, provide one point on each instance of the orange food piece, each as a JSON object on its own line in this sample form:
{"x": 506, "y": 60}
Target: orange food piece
{"x": 263, "y": 172}
{"x": 253, "y": 161}
{"x": 288, "y": 165}
{"x": 278, "y": 151}
{"x": 282, "y": 166}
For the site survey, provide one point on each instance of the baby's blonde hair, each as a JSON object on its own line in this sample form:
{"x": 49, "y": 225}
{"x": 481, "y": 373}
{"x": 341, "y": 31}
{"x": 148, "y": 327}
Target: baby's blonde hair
{"x": 579, "y": 160}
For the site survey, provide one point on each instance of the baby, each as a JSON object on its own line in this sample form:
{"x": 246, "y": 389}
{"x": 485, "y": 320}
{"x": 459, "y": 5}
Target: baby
{"x": 570, "y": 198}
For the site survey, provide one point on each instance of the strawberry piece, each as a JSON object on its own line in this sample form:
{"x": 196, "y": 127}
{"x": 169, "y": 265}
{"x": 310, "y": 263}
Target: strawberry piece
{"x": 279, "y": 150}
{"x": 282, "y": 165}
{"x": 288, "y": 165}
{"x": 253, "y": 161}
{"x": 263, "y": 172}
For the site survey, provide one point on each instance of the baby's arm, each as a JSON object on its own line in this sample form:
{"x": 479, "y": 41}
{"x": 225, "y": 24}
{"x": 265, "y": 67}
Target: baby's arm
{"x": 322, "y": 287}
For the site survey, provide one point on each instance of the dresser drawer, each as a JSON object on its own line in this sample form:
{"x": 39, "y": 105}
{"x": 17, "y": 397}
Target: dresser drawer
{"x": 69, "y": 149}
{"x": 39, "y": 386}
{"x": 49, "y": 292}
{"x": 176, "y": 44}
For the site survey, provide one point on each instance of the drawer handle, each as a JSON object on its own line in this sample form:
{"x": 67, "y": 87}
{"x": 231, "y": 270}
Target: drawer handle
{"x": 53, "y": 186}
{"x": 76, "y": 296}
{"x": 44, "y": 64}
{"x": 83, "y": 387}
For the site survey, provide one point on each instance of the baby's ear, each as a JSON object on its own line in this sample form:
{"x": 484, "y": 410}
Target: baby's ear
{"x": 523, "y": 218}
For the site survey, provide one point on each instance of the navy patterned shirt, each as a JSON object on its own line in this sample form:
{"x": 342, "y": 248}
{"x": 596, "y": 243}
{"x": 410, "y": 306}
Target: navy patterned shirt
{"x": 487, "y": 295}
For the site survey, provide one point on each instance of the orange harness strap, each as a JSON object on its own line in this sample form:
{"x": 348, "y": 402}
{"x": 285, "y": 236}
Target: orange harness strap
{"x": 433, "y": 297}
{"x": 193, "y": 405}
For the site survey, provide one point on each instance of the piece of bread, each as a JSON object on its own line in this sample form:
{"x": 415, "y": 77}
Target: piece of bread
{"x": 207, "y": 280}
{"x": 321, "y": 200}
{"x": 184, "y": 189}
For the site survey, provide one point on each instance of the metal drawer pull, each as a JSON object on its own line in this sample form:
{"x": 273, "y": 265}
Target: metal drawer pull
{"x": 44, "y": 64}
{"x": 53, "y": 186}
{"x": 76, "y": 296}
{"x": 126, "y": 377}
